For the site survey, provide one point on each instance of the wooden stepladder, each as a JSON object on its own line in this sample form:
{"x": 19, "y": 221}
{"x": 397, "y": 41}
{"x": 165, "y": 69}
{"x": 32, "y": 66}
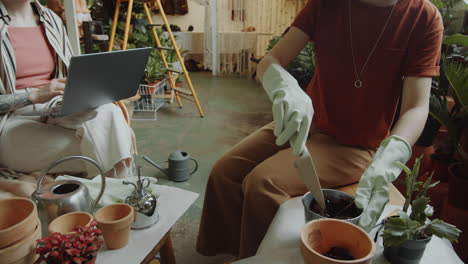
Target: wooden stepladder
{"x": 171, "y": 73}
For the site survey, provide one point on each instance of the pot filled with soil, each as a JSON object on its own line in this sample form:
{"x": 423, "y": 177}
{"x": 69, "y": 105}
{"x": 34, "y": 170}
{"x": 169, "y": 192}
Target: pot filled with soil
{"x": 329, "y": 241}
{"x": 339, "y": 205}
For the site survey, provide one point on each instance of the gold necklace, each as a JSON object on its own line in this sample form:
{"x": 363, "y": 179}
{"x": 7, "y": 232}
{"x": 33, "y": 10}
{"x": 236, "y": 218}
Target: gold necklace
{"x": 358, "y": 82}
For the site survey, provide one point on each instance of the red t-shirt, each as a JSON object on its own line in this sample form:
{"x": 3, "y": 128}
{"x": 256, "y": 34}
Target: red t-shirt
{"x": 410, "y": 46}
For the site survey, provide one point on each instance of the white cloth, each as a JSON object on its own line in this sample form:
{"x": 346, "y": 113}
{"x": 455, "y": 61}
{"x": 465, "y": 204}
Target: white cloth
{"x": 102, "y": 134}
{"x": 115, "y": 190}
{"x": 281, "y": 244}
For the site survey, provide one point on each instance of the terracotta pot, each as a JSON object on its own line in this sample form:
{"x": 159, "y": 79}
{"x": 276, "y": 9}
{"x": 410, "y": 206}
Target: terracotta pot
{"x": 23, "y": 252}
{"x": 64, "y": 224}
{"x": 458, "y": 186}
{"x": 151, "y": 87}
{"x": 319, "y": 236}
{"x": 18, "y": 217}
{"x": 441, "y": 162}
{"x": 115, "y": 221}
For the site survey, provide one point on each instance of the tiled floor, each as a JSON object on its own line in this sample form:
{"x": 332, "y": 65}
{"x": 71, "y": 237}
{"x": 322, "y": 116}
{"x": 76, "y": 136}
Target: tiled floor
{"x": 234, "y": 107}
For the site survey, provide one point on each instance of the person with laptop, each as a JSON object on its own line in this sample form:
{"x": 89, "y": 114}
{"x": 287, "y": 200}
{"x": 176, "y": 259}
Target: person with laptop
{"x": 33, "y": 69}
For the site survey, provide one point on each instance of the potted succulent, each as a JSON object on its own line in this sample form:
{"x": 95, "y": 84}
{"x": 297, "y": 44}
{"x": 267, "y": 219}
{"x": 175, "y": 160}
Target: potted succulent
{"x": 405, "y": 236}
{"x": 79, "y": 248}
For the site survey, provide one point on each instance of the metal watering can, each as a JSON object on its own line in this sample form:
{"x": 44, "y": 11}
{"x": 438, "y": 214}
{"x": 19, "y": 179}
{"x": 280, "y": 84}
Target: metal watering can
{"x": 61, "y": 197}
{"x": 178, "y": 170}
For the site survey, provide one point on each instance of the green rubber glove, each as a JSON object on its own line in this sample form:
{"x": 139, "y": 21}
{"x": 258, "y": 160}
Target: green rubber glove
{"x": 373, "y": 190}
{"x": 292, "y": 108}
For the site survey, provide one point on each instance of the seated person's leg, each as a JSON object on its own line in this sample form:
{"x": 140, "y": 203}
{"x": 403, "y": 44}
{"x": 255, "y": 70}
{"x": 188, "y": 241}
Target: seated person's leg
{"x": 275, "y": 180}
{"x": 109, "y": 140}
{"x": 221, "y": 216}
{"x": 29, "y": 145}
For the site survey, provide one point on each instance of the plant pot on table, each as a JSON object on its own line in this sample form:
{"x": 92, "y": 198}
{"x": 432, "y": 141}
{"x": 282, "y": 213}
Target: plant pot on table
{"x": 340, "y": 205}
{"x": 409, "y": 252}
{"x": 458, "y": 186}
{"x": 331, "y": 241}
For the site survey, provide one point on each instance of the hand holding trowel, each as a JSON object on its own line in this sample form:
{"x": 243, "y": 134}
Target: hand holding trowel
{"x": 292, "y": 112}
{"x": 306, "y": 169}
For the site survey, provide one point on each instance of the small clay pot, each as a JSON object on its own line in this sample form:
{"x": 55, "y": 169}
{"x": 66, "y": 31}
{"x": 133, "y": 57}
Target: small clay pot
{"x": 64, "y": 224}
{"x": 307, "y": 199}
{"x": 115, "y": 221}
{"x": 319, "y": 236}
{"x": 18, "y": 217}
{"x": 22, "y": 252}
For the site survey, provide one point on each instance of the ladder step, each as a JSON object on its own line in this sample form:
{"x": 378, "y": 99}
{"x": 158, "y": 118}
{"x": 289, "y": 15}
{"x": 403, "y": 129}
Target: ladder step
{"x": 164, "y": 48}
{"x": 182, "y": 90}
{"x": 175, "y": 70}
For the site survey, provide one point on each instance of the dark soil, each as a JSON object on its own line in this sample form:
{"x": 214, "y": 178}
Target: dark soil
{"x": 336, "y": 207}
{"x": 339, "y": 253}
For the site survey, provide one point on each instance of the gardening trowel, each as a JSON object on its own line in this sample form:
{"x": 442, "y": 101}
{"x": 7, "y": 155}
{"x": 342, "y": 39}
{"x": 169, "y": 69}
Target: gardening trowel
{"x": 306, "y": 169}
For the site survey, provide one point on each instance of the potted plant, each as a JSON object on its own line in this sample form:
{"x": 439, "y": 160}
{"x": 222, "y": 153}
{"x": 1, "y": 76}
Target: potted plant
{"x": 455, "y": 120}
{"x": 78, "y": 248}
{"x": 435, "y": 158}
{"x": 405, "y": 236}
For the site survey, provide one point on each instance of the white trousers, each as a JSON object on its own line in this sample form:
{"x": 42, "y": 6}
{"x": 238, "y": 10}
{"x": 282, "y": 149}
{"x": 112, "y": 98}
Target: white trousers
{"x": 28, "y": 145}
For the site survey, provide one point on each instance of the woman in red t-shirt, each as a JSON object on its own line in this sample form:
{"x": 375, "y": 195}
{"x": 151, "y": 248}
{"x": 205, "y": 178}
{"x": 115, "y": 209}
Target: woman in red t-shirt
{"x": 370, "y": 54}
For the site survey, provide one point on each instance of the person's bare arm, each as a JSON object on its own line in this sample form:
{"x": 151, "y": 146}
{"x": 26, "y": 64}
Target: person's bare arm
{"x": 284, "y": 51}
{"x": 414, "y": 108}
{"x": 11, "y": 102}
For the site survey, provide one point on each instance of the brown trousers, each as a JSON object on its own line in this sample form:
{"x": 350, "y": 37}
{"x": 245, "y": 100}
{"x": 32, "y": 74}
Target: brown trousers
{"x": 248, "y": 184}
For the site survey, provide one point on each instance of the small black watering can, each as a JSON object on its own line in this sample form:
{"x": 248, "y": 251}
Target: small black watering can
{"x": 178, "y": 170}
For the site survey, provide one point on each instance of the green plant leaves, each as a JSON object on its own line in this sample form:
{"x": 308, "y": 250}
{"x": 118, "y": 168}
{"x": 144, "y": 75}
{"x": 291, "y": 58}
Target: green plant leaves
{"x": 416, "y": 225}
{"x": 457, "y": 75}
{"x": 443, "y": 230}
{"x": 456, "y": 39}
{"x": 398, "y": 230}
{"x": 418, "y": 209}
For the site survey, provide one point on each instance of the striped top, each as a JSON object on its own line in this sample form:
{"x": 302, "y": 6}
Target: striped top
{"x": 56, "y": 36}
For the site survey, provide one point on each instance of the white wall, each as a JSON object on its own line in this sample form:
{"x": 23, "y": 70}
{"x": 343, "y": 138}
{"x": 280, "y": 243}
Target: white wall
{"x": 194, "y": 17}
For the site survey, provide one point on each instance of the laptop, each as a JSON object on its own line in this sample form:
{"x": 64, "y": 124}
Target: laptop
{"x": 100, "y": 78}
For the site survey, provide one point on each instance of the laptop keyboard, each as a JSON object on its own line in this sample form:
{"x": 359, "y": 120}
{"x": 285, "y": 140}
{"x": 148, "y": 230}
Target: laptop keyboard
{"x": 55, "y": 111}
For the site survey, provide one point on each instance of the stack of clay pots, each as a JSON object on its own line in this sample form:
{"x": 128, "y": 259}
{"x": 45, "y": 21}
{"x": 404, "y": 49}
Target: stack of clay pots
{"x": 19, "y": 229}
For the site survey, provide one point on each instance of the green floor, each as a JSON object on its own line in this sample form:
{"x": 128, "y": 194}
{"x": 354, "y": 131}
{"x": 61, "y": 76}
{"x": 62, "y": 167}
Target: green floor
{"x": 234, "y": 107}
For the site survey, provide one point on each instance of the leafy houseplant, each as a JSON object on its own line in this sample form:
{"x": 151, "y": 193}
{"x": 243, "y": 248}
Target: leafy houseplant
{"x": 405, "y": 237}
{"x": 78, "y": 248}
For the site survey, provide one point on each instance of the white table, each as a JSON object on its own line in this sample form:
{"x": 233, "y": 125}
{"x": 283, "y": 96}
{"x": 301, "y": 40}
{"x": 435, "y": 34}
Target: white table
{"x": 144, "y": 244}
{"x": 281, "y": 244}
